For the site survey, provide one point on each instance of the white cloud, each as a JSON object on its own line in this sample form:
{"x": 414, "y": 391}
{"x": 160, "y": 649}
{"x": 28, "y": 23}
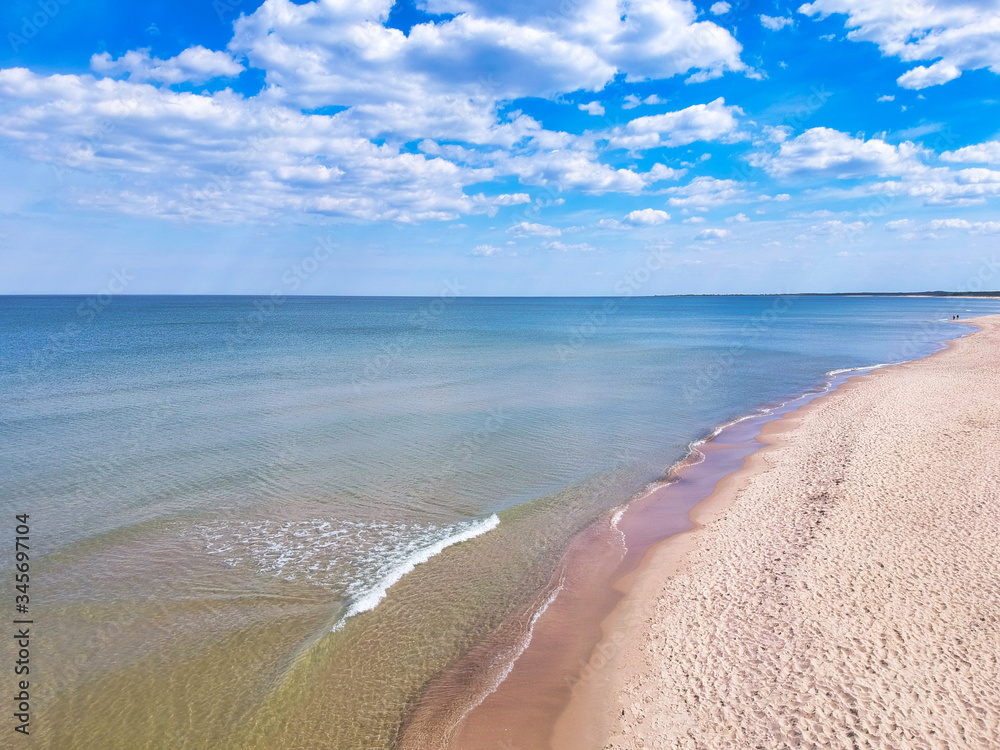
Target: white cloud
{"x": 592, "y": 108}
{"x": 694, "y": 220}
{"x": 719, "y": 9}
{"x": 445, "y": 85}
{"x": 632, "y": 101}
{"x": 491, "y": 203}
{"x": 775, "y": 23}
{"x": 339, "y": 53}
{"x": 647, "y": 217}
{"x": 980, "y": 153}
{"x": 564, "y": 248}
{"x": 923, "y": 76}
{"x": 579, "y": 169}
{"x": 485, "y": 250}
{"x": 886, "y": 98}
{"x": 942, "y": 186}
{"x": 959, "y": 34}
{"x": 706, "y": 192}
{"x": 505, "y": 199}
{"x": 194, "y": 65}
{"x": 710, "y": 234}
{"x": 838, "y": 228}
{"x": 897, "y": 224}
{"x": 222, "y": 157}
{"x": 699, "y": 122}
{"x": 528, "y": 229}
{"x": 611, "y": 224}
{"x": 737, "y": 219}
{"x": 823, "y": 151}
{"x": 975, "y": 227}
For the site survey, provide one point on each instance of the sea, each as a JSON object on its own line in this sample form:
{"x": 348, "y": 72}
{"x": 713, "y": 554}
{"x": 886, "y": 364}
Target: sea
{"x": 266, "y": 522}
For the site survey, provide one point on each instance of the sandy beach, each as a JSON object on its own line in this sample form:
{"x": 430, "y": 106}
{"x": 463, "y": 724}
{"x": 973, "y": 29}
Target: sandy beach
{"x": 841, "y": 591}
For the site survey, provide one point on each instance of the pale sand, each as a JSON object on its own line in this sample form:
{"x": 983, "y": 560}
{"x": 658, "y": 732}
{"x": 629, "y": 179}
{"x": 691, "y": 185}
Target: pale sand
{"x": 845, "y": 592}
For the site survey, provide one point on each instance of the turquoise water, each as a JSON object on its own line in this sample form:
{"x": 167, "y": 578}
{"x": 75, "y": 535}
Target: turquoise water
{"x": 340, "y": 442}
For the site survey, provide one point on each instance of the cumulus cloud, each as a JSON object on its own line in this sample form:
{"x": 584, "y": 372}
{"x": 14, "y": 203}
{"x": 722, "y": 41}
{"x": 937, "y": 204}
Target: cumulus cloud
{"x": 699, "y": 122}
{"x": 959, "y": 35}
{"x": 980, "y": 153}
{"x": 838, "y": 228}
{"x": 647, "y": 217}
{"x": 711, "y": 233}
{"x": 593, "y": 108}
{"x": 632, "y": 101}
{"x": 193, "y": 65}
{"x": 338, "y": 53}
{"x": 444, "y": 84}
{"x": 886, "y": 98}
{"x": 942, "y": 186}
{"x": 579, "y": 169}
{"x": 706, "y": 192}
{"x": 225, "y": 158}
{"x": 528, "y": 229}
{"x": 934, "y": 75}
{"x": 775, "y": 23}
{"x": 719, "y": 9}
{"x": 739, "y": 218}
{"x": 824, "y": 151}
{"x": 562, "y": 247}
{"x": 975, "y": 227}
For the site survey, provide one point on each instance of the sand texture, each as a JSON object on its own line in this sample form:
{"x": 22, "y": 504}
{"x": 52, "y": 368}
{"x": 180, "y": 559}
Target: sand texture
{"x": 849, "y": 594}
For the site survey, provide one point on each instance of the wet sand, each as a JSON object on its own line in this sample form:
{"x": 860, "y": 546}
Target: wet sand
{"x": 841, "y": 591}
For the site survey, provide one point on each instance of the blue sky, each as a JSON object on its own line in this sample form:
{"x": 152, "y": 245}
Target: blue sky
{"x": 582, "y": 147}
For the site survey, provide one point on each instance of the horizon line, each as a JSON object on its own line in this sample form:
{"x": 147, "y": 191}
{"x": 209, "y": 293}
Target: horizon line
{"x": 925, "y": 293}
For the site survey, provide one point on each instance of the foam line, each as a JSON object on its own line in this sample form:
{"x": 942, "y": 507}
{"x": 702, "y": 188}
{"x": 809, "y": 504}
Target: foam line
{"x": 866, "y": 367}
{"x": 519, "y": 649}
{"x": 370, "y": 599}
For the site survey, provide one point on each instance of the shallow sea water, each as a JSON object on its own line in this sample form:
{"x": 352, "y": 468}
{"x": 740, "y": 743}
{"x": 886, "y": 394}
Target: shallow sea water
{"x": 272, "y": 526}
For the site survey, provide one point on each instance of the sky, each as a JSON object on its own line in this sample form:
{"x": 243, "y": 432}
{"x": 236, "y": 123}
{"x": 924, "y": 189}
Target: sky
{"x": 523, "y": 147}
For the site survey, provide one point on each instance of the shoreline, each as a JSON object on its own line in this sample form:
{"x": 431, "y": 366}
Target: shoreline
{"x": 604, "y": 710}
{"x": 571, "y": 643}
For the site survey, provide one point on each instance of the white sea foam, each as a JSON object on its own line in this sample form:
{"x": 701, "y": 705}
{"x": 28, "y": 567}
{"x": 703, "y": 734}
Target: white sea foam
{"x": 614, "y": 524}
{"x": 864, "y": 367}
{"x": 357, "y": 560}
{"x": 370, "y": 599}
